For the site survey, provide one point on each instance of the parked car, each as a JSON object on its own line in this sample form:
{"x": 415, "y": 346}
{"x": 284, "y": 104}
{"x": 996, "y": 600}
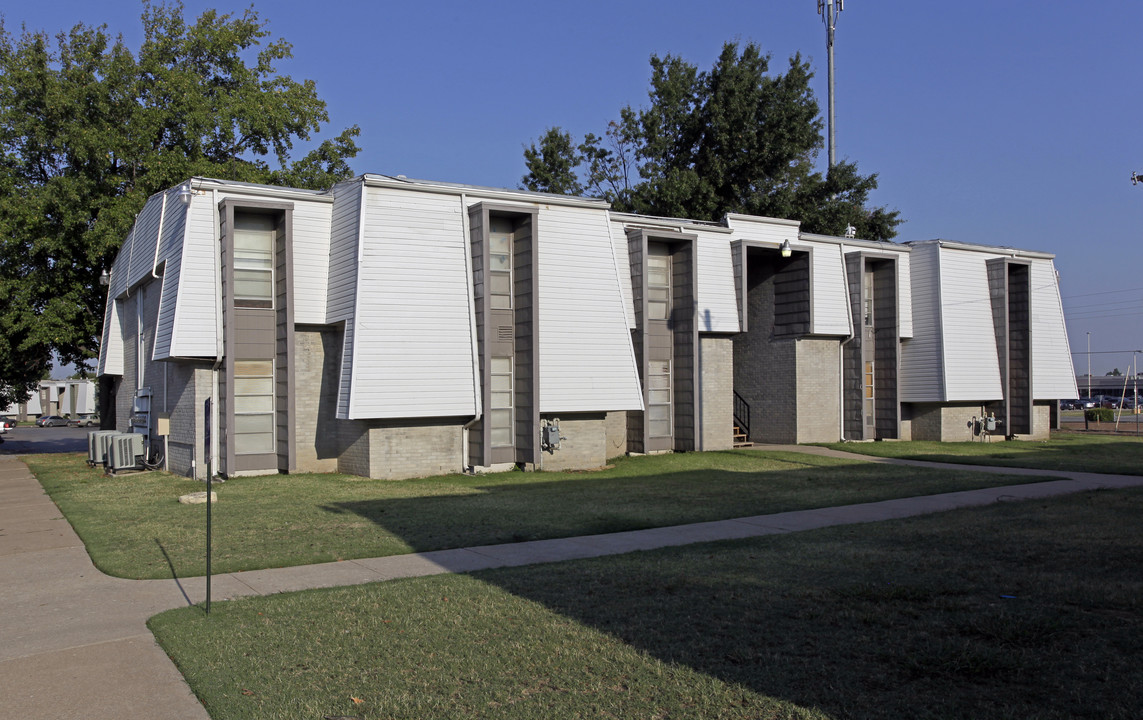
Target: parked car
{"x": 83, "y": 420}
{"x": 51, "y": 421}
{"x": 1070, "y": 405}
{"x": 7, "y": 422}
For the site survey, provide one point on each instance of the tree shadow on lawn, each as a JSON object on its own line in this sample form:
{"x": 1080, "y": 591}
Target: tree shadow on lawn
{"x": 509, "y": 513}
{"x": 909, "y": 620}
{"x": 1123, "y": 457}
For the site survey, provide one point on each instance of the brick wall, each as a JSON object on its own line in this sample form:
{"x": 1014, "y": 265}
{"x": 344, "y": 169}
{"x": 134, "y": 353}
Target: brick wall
{"x": 716, "y": 365}
{"x": 943, "y": 422}
{"x": 408, "y": 448}
{"x": 129, "y": 382}
{"x": 1041, "y": 421}
{"x": 586, "y": 445}
{"x": 188, "y": 387}
{"x": 818, "y": 391}
{"x": 765, "y": 369}
{"x": 615, "y": 425}
{"x": 317, "y": 355}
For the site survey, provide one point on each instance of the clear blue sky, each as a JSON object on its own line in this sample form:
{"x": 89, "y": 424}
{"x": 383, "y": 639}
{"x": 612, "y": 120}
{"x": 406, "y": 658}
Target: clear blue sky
{"x": 1004, "y": 123}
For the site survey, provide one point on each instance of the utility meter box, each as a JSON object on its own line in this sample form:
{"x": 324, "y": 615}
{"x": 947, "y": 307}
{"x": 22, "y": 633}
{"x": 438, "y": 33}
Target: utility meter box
{"x": 551, "y": 435}
{"x": 163, "y": 424}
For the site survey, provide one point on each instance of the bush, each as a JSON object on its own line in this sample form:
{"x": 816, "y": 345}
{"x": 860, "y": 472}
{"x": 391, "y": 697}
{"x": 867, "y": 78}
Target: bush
{"x": 1099, "y": 415}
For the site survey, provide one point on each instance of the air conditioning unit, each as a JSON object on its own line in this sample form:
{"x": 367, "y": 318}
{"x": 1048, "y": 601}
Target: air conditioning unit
{"x": 125, "y": 452}
{"x": 97, "y": 446}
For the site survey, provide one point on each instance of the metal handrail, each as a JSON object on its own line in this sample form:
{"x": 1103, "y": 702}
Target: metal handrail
{"x": 742, "y": 413}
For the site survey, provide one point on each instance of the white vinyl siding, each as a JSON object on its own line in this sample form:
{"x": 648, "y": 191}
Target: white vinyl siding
{"x": 341, "y": 274}
{"x": 830, "y": 299}
{"x": 921, "y": 372}
{"x": 618, "y": 237}
{"x": 111, "y": 349}
{"x": 311, "y": 254}
{"x": 586, "y": 359}
{"x": 904, "y": 296}
{"x": 341, "y": 279}
{"x": 972, "y": 370}
{"x": 717, "y": 300}
{"x": 194, "y": 331}
{"x": 170, "y": 252}
{"x": 1053, "y": 375}
{"x": 412, "y": 345}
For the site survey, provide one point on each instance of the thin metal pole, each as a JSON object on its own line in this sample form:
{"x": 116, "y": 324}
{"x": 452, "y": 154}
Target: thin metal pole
{"x": 829, "y": 12}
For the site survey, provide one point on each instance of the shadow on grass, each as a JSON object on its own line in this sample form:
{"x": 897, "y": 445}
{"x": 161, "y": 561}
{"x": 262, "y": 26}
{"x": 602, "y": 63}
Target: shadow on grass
{"x": 1065, "y": 452}
{"x": 509, "y": 513}
{"x": 997, "y": 612}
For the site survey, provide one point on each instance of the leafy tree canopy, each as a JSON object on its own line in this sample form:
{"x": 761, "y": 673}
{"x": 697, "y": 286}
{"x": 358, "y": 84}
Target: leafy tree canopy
{"x": 736, "y": 138}
{"x": 89, "y": 130}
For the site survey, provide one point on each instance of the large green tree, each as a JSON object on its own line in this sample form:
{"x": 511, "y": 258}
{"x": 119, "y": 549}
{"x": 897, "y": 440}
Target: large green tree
{"x": 89, "y": 130}
{"x": 736, "y": 138}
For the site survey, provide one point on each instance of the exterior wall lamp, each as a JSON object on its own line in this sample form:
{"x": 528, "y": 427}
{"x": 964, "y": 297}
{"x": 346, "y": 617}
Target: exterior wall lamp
{"x": 785, "y": 249}
{"x": 104, "y": 278}
{"x": 185, "y": 194}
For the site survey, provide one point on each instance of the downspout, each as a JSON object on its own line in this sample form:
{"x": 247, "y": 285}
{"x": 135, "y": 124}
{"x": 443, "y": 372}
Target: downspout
{"x": 841, "y": 353}
{"x": 159, "y": 237}
{"x": 219, "y": 348}
{"x": 472, "y": 334}
{"x": 155, "y": 275}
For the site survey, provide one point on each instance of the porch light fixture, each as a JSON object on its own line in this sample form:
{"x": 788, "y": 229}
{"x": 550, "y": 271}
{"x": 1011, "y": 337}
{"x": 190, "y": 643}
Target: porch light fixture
{"x": 185, "y": 194}
{"x": 104, "y": 278}
{"x": 785, "y": 248}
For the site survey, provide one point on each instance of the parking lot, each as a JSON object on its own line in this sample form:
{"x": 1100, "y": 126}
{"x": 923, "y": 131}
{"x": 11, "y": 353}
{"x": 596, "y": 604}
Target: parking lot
{"x": 27, "y": 439}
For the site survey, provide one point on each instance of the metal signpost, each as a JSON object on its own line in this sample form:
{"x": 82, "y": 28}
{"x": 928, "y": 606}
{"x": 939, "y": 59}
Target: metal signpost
{"x": 209, "y": 486}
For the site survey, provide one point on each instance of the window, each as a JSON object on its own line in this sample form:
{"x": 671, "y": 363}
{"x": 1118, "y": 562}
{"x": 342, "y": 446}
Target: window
{"x": 500, "y": 238}
{"x": 658, "y": 282}
{"x": 868, "y": 403}
{"x": 253, "y": 407}
{"x": 659, "y": 398}
{"x": 500, "y": 404}
{"x": 254, "y": 260}
{"x": 867, "y": 296}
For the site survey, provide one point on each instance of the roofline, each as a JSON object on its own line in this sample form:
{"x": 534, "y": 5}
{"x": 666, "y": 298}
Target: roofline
{"x": 654, "y": 222}
{"x": 444, "y": 188}
{"x": 739, "y": 217}
{"x": 883, "y": 245}
{"x": 275, "y": 191}
{"x": 993, "y": 249}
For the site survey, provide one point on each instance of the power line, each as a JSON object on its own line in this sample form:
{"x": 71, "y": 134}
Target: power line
{"x": 1106, "y": 292}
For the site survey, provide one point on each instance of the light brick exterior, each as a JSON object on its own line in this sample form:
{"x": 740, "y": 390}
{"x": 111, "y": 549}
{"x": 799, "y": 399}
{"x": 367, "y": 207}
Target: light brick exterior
{"x": 716, "y": 364}
{"x": 317, "y": 360}
{"x": 616, "y": 428}
{"x": 818, "y": 390}
{"x": 586, "y": 445}
{"x": 399, "y": 449}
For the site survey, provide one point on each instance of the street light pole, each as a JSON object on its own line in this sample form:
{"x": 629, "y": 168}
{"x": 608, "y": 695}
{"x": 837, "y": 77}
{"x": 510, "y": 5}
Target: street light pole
{"x": 1089, "y": 366}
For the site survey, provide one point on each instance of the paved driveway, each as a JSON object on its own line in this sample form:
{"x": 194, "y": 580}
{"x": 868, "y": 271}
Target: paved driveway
{"x": 27, "y": 439}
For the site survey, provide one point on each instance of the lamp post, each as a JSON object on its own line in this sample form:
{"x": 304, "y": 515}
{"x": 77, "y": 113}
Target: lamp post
{"x": 1089, "y": 366}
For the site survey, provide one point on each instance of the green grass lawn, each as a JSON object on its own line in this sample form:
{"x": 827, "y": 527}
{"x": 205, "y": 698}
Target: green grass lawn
{"x": 133, "y": 525}
{"x": 1065, "y": 451}
{"x": 1020, "y": 610}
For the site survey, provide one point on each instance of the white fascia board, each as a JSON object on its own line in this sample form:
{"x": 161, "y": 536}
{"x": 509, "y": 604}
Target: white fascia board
{"x": 473, "y": 192}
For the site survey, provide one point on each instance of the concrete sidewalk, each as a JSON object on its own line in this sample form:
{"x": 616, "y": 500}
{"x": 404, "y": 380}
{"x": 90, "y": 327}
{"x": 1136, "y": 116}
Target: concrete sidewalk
{"x": 74, "y": 642}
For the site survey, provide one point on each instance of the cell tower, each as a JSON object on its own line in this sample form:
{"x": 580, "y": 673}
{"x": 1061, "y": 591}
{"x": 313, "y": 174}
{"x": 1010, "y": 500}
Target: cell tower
{"x": 829, "y": 10}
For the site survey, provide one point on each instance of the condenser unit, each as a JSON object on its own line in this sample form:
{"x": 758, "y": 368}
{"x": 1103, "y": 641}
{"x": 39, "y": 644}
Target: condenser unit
{"x": 125, "y": 453}
{"x": 97, "y": 446}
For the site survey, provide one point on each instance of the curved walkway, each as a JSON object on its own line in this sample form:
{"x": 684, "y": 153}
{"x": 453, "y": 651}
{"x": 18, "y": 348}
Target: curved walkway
{"x": 74, "y": 642}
